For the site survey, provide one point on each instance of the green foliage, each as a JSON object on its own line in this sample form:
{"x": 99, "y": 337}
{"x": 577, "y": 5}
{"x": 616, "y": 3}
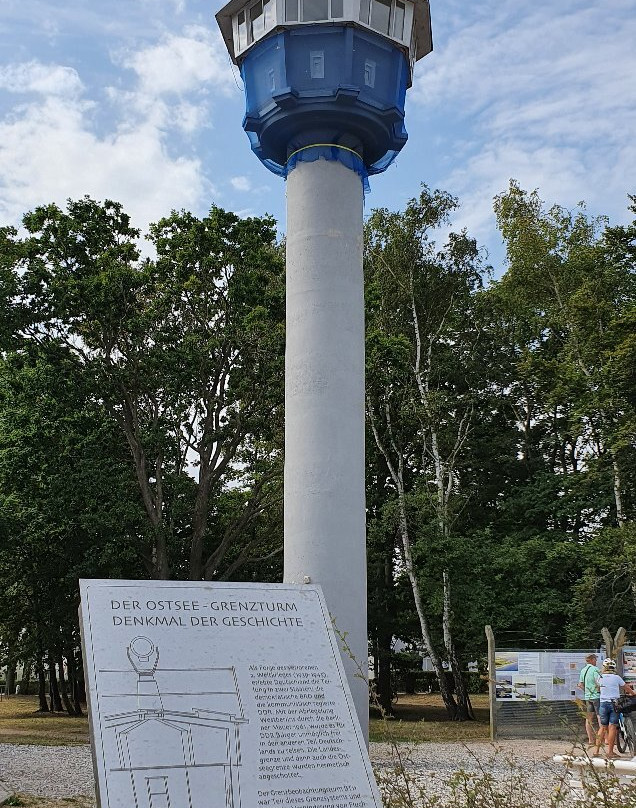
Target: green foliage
{"x": 569, "y": 293}
{"x": 68, "y": 502}
{"x": 604, "y": 594}
{"x": 185, "y": 355}
{"x": 536, "y": 520}
{"x": 140, "y": 408}
{"x": 141, "y": 417}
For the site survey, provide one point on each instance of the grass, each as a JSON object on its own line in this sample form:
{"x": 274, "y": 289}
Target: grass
{"x": 418, "y": 719}
{"x": 423, "y": 718}
{"x": 21, "y": 723}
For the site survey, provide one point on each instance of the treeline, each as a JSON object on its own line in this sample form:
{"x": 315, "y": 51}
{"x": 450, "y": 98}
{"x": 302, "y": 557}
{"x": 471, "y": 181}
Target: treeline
{"x": 141, "y": 423}
{"x": 502, "y": 425}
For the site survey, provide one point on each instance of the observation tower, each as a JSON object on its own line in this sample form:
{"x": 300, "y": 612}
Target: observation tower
{"x": 325, "y": 84}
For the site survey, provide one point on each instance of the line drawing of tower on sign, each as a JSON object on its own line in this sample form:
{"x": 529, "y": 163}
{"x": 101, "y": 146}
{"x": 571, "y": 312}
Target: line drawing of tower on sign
{"x": 176, "y": 733}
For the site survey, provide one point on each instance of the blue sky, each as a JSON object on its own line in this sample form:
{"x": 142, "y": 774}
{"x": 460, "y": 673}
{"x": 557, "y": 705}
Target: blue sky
{"x": 136, "y": 100}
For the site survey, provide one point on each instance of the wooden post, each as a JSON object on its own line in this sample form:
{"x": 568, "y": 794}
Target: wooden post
{"x": 614, "y": 645}
{"x": 492, "y": 682}
{"x": 619, "y": 642}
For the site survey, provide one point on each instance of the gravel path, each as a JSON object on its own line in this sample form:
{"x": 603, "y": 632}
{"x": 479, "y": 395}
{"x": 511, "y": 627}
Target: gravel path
{"x": 46, "y": 771}
{"x": 526, "y": 767}
{"x": 66, "y": 771}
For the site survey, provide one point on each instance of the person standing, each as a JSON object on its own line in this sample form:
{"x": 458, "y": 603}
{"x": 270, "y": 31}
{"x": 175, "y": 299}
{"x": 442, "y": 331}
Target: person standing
{"x": 588, "y": 684}
{"x": 610, "y": 685}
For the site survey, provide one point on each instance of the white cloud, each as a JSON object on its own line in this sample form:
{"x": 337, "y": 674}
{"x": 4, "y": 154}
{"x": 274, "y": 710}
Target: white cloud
{"x": 178, "y": 80}
{"x": 51, "y": 148}
{"x": 547, "y": 98}
{"x": 241, "y": 183}
{"x": 196, "y": 60}
{"x": 190, "y": 118}
{"x": 49, "y": 152}
{"x": 179, "y": 6}
{"x": 34, "y": 77}
{"x": 137, "y": 108}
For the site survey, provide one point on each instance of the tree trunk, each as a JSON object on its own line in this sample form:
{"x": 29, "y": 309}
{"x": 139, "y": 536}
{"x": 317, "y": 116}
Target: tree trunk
{"x": 384, "y": 686}
{"x": 44, "y": 705}
{"x": 156, "y": 561}
{"x": 63, "y": 686}
{"x": 157, "y": 565}
{"x": 618, "y": 493}
{"x": 25, "y": 683}
{"x": 56, "y": 701}
{"x": 76, "y": 691}
{"x": 464, "y": 706}
{"x": 10, "y": 679}
{"x": 447, "y": 696}
{"x": 200, "y": 518}
{"x": 444, "y": 689}
{"x": 444, "y": 475}
{"x": 398, "y": 480}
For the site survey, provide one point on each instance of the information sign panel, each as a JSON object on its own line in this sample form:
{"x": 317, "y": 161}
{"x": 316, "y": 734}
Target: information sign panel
{"x": 629, "y": 665}
{"x": 538, "y": 675}
{"x": 219, "y": 695}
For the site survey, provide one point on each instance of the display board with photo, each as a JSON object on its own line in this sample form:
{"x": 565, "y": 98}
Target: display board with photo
{"x": 540, "y": 675}
{"x": 629, "y": 664}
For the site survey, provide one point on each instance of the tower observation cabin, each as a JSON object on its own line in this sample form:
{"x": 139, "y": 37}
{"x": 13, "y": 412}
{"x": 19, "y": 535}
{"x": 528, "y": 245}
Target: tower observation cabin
{"x": 321, "y": 75}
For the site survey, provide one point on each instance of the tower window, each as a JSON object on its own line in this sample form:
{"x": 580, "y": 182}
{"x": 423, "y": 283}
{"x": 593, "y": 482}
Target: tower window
{"x": 257, "y": 21}
{"x": 291, "y": 10}
{"x": 398, "y": 20}
{"x": 313, "y": 10}
{"x": 253, "y": 22}
{"x": 380, "y": 15}
{"x": 386, "y": 16}
{"x": 269, "y": 11}
{"x": 242, "y": 31}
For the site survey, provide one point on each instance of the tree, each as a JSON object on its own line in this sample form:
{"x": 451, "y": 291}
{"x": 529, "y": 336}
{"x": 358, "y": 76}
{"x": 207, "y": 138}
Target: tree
{"x": 422, "y": 348}
{"x": 569, "y": 290}
{"x": 185, "y": 353}
{"x": 68, "y": 509}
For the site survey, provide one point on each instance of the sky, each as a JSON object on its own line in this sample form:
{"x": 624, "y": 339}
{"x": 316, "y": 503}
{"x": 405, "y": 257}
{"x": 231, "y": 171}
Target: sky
{"x": 137, "y": 101}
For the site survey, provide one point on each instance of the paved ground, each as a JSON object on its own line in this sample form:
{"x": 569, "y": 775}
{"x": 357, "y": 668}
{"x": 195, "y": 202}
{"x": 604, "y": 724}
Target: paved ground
{"x": 56, "y": 772}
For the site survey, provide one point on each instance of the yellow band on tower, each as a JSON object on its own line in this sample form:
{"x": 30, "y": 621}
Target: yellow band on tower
{"x": 317, "y": 145}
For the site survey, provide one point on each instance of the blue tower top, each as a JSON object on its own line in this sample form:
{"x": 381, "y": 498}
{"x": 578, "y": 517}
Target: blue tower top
{"x": 326, "y": 78}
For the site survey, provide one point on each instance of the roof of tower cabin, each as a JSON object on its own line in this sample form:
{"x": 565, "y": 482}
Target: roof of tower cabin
{"x": 422, "y": 16}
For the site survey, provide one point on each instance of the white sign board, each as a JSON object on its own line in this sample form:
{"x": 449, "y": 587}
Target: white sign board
{"x": 219, "y": 695}
{"x": 538, "y": 675}
{"x": 629, "y": 665}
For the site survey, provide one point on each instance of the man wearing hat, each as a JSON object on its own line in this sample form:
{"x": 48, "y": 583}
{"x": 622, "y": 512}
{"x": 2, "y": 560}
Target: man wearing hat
{"x": 587, "y": 683}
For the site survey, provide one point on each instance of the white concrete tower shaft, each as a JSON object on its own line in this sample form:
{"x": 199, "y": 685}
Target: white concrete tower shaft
{"x": 325, "y": 534}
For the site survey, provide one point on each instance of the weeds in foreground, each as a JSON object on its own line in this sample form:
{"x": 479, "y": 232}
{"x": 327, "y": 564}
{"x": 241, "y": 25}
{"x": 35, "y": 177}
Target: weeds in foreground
{"x": 595, "y": 788}
{"x": 495, "y": 783}
{"x": 499, "y": 782}
{"x": 28, "y": 801}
